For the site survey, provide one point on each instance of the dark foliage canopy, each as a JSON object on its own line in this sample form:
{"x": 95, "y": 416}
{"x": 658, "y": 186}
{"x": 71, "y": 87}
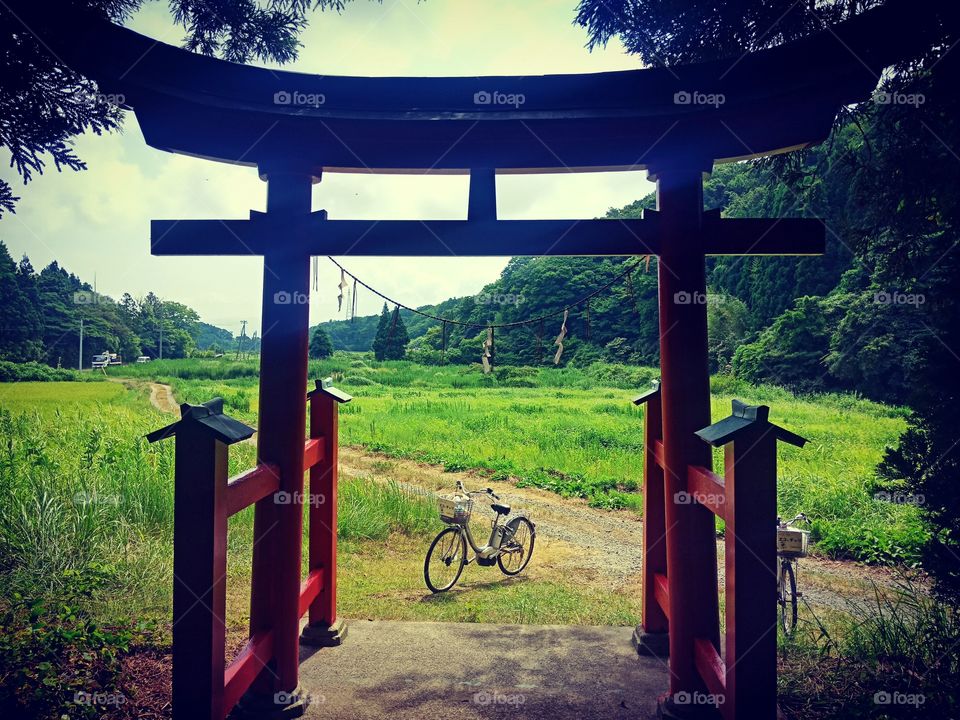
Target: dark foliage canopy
{"x": 44, "y": 104}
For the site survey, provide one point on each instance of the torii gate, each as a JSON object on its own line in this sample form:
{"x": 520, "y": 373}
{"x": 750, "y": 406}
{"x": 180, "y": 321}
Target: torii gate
{"x": 674, "y": 123}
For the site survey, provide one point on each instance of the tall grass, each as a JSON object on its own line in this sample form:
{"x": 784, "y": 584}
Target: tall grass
{"x": 896, "y": 654}
{"x": 81, "y": 491}
{"x": 368, "y": 510}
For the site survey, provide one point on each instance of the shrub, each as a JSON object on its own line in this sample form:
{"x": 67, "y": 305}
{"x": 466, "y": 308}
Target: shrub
{"x": 37, "y": 372}
{"x": 358, "y": 380}
{"x": 622, "y": 376}
{"x": 513, "y": 376}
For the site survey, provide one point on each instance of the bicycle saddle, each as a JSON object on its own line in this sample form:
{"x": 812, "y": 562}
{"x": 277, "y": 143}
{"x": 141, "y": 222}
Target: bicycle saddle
{"x": 500, "y": 509}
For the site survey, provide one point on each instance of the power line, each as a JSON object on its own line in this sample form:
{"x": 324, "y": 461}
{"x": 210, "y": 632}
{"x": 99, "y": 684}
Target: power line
{"x": 518, "y": 323}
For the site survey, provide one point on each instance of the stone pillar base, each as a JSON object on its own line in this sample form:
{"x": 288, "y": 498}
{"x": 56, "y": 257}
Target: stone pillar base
{"x": 278, "y": 706}
{"x": 686, "y": 706}
{"x": 651, "y": 644}
{"x": 324, "y": 635}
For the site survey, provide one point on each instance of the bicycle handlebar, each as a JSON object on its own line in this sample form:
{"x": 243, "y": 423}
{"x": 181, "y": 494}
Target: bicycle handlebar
{"x": 798, "y": 516}
{"x": 488, "y": 491}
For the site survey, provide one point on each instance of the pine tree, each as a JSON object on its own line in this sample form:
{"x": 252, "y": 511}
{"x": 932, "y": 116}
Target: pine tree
{"x": 320, "y": 345}
{"x": 18, "y": 334}
{"x": 379, "y": 346}
{"x": 395, "y": 347}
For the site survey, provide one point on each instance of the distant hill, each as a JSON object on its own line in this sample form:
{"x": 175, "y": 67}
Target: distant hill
{"x": 211, "y": 337}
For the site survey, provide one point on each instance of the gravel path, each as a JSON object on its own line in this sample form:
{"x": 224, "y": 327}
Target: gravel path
{"x": 605, "y": 545}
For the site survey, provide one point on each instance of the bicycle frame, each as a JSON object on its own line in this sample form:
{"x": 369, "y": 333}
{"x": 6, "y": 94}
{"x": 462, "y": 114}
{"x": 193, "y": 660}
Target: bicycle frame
{"x": 477, "y": 550}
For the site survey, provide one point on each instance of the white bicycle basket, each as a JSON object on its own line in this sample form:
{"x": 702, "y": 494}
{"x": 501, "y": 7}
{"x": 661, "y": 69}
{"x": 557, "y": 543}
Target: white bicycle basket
{"x": 792, "y": 542}
{"x": 455, "y": 509}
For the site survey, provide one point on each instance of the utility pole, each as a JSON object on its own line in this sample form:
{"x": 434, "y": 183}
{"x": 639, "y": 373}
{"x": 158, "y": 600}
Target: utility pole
{"x": 243, "y": 334}
{"x": 160, "y": 322}
{"x": 80, "y": 358}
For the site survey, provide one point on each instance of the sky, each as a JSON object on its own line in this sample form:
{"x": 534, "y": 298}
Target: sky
{"x": 95, "y": 223}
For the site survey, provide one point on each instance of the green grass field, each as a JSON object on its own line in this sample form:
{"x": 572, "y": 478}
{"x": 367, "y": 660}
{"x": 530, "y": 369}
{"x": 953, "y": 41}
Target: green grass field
{"x": 84, "y": 493}
{"x": 86, "y": 504}
{"x": 577, "y": 433}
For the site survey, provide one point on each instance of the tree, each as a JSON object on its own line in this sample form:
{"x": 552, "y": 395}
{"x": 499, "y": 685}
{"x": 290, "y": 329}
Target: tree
{"x": 727, "y": 328}
{"x": 665, "y": 34}
{"x": 396, "y": 340}
{"x": 790, "y": 352}
{"x": 45, "y": 104}
{"x": 379, "y": 345}
{"x": 19, "y": 323}
{"x": 320, "y": 345}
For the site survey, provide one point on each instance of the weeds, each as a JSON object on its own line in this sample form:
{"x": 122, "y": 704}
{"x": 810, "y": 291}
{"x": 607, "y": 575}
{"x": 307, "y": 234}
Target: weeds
{"x": 895, "y": 655}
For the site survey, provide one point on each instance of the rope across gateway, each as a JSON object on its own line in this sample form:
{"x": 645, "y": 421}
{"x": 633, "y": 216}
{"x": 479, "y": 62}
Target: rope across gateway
{"x": 585, "y": 300}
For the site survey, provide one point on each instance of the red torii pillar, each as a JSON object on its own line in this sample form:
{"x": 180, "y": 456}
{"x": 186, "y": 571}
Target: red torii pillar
{"x": 278, "y": 528}
{"x": 685, "y": 408}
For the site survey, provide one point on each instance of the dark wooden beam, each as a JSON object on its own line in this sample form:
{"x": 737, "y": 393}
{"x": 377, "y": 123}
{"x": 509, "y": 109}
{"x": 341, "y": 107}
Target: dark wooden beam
{"x": 485, "y": 238}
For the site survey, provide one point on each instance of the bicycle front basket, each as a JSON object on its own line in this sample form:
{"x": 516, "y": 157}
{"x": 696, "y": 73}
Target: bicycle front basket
{"x": 792, "y": 542}
{"x": 455, "y": 509}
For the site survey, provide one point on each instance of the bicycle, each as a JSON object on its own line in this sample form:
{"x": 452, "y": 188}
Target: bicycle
{"x": 791, "y": 545}
{"x": 510, "y": 545}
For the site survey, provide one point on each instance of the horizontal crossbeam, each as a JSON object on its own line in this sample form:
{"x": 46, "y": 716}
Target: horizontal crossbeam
{"x": 252, "y": 486}
{"x": 710, "y": 666}
{"x": 245, "y": 667}
{"x": 707, "y": 488}
{"x": 315, "y": 235}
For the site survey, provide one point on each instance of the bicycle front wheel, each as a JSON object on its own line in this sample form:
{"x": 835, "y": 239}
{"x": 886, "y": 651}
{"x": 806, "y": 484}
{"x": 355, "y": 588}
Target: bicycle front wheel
{"x": 788, "y": 598}
{"x": 445, "y": 560}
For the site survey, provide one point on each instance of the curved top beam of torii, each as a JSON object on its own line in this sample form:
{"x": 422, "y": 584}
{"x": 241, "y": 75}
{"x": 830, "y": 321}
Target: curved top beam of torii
{"x": 772, "y": 100}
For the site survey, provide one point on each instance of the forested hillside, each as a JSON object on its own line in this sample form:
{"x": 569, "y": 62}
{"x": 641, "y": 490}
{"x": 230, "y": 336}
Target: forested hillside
{"x": 41, "y": 314}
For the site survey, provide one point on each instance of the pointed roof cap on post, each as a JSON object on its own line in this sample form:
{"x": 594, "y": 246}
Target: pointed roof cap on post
{"x": 649, "y": 394}
{"x": 743, "y": 417}
{"x": 326, "y": 387}
{"x": 210, "y": 415}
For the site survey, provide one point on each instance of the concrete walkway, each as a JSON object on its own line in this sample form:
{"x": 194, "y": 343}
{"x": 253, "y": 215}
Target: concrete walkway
{"x": 449, "y": 671}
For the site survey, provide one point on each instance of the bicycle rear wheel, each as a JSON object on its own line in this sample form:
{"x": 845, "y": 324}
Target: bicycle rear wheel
{"x": 788, "y": 597}
{"x": 445, "y": 560}
{"x": 516, "y": 552}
